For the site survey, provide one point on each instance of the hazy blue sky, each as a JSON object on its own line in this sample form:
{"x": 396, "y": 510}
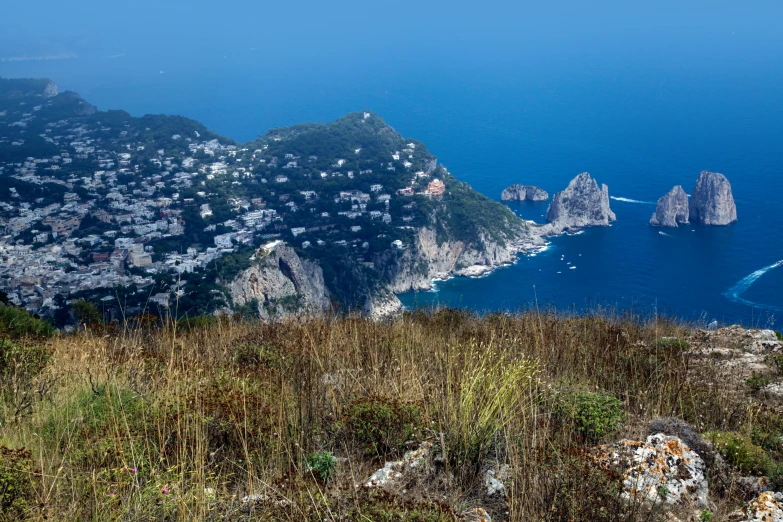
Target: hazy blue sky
{"x": 352, "y": 32}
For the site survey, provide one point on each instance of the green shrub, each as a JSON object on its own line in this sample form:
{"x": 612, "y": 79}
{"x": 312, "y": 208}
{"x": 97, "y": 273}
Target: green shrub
{"x": 322, "y": 463}
{"x": 252, "y": 356}
{"x": 779, "y": 335}
{"x": 16, "y": 489}
{"x": 381, "y": 425}
{"x": 20, "y": 386}
{"x": 17, "y": 322}
{"x": 758, "y": 381}
{"x": 740, "y": 452}
{"x": 21, "y": 359}
{"x": 595, "y": 415}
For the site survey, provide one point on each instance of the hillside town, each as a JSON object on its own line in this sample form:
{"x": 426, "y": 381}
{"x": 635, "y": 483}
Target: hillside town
{"x": 108, "y": 203}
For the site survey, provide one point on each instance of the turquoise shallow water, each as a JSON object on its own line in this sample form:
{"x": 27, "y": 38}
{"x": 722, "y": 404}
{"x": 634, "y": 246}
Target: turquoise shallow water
{"x": 639, "y": 130}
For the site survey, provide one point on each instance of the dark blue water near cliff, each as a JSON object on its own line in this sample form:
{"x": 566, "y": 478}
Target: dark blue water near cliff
{"x": 640, "y": 130}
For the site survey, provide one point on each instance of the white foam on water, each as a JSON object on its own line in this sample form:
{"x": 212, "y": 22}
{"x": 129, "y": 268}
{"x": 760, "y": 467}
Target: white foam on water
{"x": 629, "y": 200}
{"x": 735, "y": 292}
{"x": 661, "y": 232}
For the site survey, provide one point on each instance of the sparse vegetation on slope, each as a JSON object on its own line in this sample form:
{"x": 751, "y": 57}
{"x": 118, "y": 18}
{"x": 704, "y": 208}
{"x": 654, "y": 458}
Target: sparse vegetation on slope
{"x": 253, "y": 421}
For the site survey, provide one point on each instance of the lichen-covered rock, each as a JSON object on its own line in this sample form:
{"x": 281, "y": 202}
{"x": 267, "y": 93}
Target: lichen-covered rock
{"x": 581, "y": 204}
{"x": 767, "y": 507}
{"x": 523, "y": 193}
{"x": 712, "y": 202}
{"x": 676, "y": 427}
{"x": 672, "y": 209}
{"x": 494, "y": 480}
{"x": 391, "y": 471}
{"x": 661, "y": 469}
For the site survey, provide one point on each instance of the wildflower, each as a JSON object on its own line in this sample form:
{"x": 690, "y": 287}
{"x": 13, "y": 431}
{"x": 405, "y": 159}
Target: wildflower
{"x": 165, "y": 490}
{"x": 111, "y": 495}
{"x": 133, "y": 470}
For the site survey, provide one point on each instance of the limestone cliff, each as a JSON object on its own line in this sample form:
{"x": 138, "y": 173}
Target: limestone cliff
{"x": 428, "y": 259}
{"x": 282, "y": 283}
{"x": 523, "y": 193}
{"x": 672, "y": 209}
{"x": 581, "y": 204}
{"x": 712, "y": 202}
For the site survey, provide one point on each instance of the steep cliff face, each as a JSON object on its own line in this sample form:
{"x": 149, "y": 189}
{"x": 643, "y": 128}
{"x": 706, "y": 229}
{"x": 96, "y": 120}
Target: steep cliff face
{"x": 672, "y": 209}
{"x": 523, "y": 193}
{"x": 581, "y": 204}
{"x": 427, "y": 259}
{"x": 283, "y": 284}
{"x": 712, "y": 202}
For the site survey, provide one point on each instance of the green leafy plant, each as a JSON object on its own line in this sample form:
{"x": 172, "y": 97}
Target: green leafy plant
{"x": 383, "y": 425}
{"x": 740, "y": 452}
{"x": 758, "y": 381}
{"x": 705, "y": 515}
{"x": 17, "y": 322}
{"x": 16, "y": 490}
{"x": 595, "y": 415}
{"x": 323, "y": 464}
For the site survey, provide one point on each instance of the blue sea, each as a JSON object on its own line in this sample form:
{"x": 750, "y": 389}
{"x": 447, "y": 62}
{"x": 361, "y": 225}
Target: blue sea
{"x": 639, "y": 127}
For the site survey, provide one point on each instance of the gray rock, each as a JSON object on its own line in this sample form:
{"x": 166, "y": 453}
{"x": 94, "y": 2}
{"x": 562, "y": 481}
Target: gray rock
{"x": 672, "y": 209}
{"x": 661, "y": 469}
{"x": 767, "y": 507}
{"x": 50, "y": 91}
{"x": 581, "y": 204}
{"x": 523, "y": 193}
{"x": 283, "y": 284}
{"x": 679, "y": 428}
{"x": 712, "y": 202}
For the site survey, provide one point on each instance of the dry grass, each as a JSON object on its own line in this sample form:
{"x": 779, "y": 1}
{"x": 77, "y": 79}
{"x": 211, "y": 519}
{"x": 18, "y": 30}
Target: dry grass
{"x": 168, "y": 424}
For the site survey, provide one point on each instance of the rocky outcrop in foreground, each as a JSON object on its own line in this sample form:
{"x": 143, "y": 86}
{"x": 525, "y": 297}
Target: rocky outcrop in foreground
{"x": 282, "y": 283}
{"x": 712, "y": 202}
{"x": 672, "y": 209}
{"x": 581, "y": 204}
{"x": 523, "y": 193}
{"x": 661, "y": 469}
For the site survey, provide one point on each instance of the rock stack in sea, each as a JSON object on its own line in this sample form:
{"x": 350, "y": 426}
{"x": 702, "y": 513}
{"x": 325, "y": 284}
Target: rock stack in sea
{"x": 712, "y": 202}
{"x": 672, "y": 209}
{"x": 523, "y": 193}
{"x": 581, "y": 204}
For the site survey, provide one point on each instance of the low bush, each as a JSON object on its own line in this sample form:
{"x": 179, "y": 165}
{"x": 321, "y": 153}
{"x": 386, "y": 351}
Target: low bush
{"x": 16, "y": 488}
{"x": 322, "y": 464}
{"x": 758, "y": 381}
{"x": 595, "y": 415}
{"x": 17, "y": 322}
{"x": 383, "y": 426}
{"x": 740, "y": 452}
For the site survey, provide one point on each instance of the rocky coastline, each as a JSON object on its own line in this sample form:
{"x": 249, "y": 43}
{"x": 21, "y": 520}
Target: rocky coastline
{"x": 518, "y": 192}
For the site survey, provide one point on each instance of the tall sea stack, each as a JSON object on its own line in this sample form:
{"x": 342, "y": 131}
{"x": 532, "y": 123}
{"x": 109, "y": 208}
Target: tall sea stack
{"x": 581, "y": 204}
{"x": 712, "y": 202}
{"x": 672, "y": 209}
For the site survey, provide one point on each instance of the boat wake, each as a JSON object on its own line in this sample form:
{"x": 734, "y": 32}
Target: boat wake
{"x": 661, "y": 232}
{"x": 735, "y": 292}
{"x": 629, "y": 200}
